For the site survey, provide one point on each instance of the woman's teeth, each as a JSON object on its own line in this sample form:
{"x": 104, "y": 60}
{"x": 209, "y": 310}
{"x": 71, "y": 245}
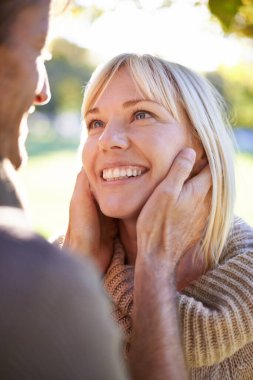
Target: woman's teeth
{"x": 120, "y": 173}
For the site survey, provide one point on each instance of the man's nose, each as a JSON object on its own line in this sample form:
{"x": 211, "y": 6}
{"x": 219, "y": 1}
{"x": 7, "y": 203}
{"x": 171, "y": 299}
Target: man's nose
{"x": 114, "y": 136}
{"x": 42, "y": 93}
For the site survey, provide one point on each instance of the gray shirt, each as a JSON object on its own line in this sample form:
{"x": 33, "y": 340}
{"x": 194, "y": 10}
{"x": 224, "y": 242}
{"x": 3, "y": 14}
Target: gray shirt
{"x": 54, "y": 316}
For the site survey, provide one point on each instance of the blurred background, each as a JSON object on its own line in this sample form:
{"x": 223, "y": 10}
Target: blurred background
{"x": 213, "y": 37}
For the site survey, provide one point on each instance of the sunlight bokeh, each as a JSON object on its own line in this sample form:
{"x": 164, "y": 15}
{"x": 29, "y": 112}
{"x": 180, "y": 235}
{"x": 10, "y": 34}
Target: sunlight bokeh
{"x": 183, "y": 33}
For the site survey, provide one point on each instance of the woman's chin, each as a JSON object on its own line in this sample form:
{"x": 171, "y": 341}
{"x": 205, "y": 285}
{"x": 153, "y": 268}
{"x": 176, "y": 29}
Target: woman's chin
{"x": 120, "y": 213}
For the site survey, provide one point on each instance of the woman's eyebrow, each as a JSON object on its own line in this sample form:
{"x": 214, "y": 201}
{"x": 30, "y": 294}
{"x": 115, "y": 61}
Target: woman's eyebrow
{"x": 131, "y": 103}
{"x": 92, "y": 110}
{"x": 127, "y": 104}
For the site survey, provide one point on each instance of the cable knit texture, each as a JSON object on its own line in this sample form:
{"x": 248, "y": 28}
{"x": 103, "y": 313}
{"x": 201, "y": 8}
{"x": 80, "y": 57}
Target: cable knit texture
{"x": 216, "y": 310}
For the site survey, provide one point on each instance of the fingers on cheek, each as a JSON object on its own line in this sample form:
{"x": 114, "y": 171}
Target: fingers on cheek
{"x": 180, "y": 171}
{"x": 185, "y": 167}
{"x": 168, "y": 195}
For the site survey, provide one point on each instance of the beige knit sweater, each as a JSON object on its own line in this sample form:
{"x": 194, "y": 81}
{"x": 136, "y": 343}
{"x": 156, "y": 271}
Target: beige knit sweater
{"x": 216, "y": 310}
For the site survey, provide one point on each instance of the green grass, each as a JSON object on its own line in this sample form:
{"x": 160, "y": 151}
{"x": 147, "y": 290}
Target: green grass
{"x": 49, "y": 179}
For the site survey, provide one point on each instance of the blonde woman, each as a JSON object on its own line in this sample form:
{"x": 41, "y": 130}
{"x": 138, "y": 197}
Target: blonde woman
{"x": 154, "y": 207}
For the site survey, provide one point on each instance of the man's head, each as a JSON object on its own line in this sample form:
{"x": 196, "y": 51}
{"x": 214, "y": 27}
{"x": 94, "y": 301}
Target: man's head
{"x": 23, "y": 77}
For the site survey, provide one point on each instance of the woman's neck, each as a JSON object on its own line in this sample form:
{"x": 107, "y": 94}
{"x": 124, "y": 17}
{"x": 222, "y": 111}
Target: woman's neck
{"x": 128, "y": 237}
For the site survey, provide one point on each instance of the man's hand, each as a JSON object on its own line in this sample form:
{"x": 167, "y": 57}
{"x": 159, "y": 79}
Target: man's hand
{"x": 174, "y": 217}
{"x": 89, "y": 231}
{"x": 171, "y": 222}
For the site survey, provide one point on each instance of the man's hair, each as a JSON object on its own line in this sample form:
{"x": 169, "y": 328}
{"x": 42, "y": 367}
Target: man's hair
{"x": 10, "y": 9}
{"x": 176, "y": 87}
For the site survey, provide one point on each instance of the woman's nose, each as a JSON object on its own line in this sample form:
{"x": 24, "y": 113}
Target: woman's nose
{"x": 114, "y": 136}
{"x": 42, "y": 93}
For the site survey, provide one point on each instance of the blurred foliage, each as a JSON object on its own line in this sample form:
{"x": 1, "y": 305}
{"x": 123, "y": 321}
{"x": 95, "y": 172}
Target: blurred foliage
{"x": 238, "y": 91}
{"x": 50, "y": 143}
{"x": 235, "y": 16}
{"x": 68, "y": 72}
{"x": 235, "y": 84}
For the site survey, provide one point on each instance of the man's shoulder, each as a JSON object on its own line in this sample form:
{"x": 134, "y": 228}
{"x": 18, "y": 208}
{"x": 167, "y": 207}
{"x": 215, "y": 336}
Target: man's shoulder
{"x": 56, "y": 316}
{"x": 30, "y": 258}
{"x": 37, "y": 274}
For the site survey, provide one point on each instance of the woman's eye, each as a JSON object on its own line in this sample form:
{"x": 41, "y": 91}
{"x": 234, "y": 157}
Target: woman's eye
{"x": 141, "y": 115}
{"x": 94, "y": 124}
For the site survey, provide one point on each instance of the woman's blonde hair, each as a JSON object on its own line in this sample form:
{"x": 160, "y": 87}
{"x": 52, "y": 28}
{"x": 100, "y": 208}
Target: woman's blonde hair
{"x": 172, "y": 85}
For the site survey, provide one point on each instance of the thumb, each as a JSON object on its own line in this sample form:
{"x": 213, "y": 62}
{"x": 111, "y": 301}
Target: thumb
{"x": 81, "y": 185}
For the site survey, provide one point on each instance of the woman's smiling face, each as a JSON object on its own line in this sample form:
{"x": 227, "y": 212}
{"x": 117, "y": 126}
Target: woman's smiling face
{"x": 131, "y": 144}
